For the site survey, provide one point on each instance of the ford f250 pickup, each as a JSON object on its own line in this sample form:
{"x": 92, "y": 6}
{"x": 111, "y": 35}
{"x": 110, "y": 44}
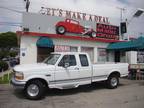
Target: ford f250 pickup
{"x": 64, "y": 70}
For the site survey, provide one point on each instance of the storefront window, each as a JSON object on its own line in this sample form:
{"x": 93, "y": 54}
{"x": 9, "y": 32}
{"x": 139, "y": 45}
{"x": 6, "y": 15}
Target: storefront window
{"x": 73, "y": 49}
{"x": 90, "y": 51}
{"x": 43, "y": 53}
{"x": 123, "y": 57}
{"x": 140, "y": 56}
{"x": 102, "y": 55}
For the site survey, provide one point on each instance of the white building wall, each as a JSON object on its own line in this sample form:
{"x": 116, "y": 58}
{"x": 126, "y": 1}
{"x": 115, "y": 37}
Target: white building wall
{"x": 28, "y": 49}
{"x": 79, "y": 43}
{"x": 95, "y": 55}
{"x": 132, "y": 57}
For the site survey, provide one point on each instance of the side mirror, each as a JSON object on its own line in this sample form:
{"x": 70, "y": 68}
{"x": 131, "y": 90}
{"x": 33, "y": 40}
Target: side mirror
{"x": 66, "y": 65}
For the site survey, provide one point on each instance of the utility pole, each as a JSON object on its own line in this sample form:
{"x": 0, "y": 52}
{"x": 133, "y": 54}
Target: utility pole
{"x": 27, "y": 5}
{"x": 121, "y": 20}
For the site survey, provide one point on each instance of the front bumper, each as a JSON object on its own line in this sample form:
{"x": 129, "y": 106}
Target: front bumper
{"x": 18, "y": 84}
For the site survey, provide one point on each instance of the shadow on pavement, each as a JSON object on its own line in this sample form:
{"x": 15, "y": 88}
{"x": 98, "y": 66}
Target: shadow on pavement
{"x": 57, "y": 92}
{"x": 19, "y": 94}
{"x": 80, "y": 89}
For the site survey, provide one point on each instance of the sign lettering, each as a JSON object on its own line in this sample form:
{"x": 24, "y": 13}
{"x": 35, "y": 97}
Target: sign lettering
{"x": 107, "y": 31}
{"x": 74, "y": 15}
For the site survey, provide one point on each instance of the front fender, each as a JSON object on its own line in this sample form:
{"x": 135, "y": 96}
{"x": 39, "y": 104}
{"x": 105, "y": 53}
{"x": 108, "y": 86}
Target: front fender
{"x": 37, "y": 76}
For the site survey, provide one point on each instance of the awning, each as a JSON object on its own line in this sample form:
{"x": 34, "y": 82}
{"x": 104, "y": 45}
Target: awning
{"x": 45, "y": 42}
{"x": 134, "y": 45}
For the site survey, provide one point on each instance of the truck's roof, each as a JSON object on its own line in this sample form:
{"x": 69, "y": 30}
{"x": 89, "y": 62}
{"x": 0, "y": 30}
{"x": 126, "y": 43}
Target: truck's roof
{"x": 69, "y": 53}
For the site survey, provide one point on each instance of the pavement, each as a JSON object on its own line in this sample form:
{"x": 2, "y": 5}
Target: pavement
{"x": 130, "y": 94}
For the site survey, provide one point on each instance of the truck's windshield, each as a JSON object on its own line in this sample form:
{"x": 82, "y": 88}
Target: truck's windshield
{"x": 52, "y": 59}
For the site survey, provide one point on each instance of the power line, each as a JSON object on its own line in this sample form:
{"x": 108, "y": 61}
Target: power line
{"x": 10, "y": 23}
{"x": 11, "y": 9}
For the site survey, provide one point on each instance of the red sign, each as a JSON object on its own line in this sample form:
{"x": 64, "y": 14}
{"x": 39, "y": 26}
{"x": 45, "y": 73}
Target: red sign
{"x": 61, "y": 48}
{"x": 107, "y": 31}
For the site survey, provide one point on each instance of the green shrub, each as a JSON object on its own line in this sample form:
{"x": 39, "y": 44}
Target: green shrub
{"x": 3, "y": 65}
{"x": 3, "y": 54}
{"x": 6, "y": 78}
{"x": 12, "y": 54}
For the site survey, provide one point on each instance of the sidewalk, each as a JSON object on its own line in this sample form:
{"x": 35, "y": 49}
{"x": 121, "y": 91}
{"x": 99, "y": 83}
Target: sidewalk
{"x": 5, "y": 72}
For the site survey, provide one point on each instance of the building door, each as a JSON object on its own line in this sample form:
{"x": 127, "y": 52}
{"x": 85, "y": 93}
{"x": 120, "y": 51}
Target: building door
{"x": 117, "y": 56}
{"x": 43, "y": 53}
{"x": 44, "y": 47}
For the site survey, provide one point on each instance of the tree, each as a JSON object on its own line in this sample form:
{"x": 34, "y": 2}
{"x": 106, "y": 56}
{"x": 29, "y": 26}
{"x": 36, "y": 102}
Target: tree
{"x": 8, "y": 40}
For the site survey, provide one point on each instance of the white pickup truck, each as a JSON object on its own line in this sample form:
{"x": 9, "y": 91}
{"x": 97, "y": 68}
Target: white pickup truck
{"x": 64, "y": 70}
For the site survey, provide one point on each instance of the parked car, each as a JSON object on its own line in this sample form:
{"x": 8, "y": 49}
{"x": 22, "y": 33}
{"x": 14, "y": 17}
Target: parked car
{"x": 63, "y": 71}
{"x": 73, "y": 26}
{"x": 13, "y": 61}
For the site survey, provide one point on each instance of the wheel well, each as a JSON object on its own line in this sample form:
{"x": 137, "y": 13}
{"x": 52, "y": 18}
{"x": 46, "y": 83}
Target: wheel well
{"x": 115, "y": 73}
{"x": 62, "y": 26}
{"x": 40, "y": 79}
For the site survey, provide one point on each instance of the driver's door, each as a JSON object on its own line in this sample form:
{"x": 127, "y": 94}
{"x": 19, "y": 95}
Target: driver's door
{"x": 67, "y": 76}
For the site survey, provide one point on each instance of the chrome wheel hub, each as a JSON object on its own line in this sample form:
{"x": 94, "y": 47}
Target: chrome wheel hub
{"x": 33, "y": 90}
{"x": 61, "y": 29}
{"x": 93, "y": 34}
{"x": 114, "y": 82}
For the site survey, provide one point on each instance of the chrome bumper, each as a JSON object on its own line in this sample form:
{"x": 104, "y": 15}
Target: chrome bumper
{"x": 18, "y": 84}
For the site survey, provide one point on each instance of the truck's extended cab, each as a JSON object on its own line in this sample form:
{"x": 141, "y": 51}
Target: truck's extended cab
{"x": 63, "y": 71}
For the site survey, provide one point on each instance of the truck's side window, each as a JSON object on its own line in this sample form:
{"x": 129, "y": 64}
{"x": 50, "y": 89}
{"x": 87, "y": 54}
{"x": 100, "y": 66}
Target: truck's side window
{"x": 83, "y": 60}
{"x": 68, "y": 59}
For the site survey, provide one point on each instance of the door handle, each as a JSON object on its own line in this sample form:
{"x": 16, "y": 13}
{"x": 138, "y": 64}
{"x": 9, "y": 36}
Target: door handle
{"x": 76, "y": 68}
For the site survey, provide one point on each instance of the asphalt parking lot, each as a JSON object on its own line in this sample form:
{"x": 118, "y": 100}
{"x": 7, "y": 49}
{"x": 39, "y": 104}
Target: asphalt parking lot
{"x": 130, "y": 94}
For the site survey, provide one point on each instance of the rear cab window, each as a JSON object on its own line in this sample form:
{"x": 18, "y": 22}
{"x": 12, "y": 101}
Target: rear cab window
{"x": 83, "y": 60}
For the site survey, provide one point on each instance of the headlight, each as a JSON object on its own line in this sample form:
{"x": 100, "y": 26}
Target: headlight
{"x": 19, "y": 76}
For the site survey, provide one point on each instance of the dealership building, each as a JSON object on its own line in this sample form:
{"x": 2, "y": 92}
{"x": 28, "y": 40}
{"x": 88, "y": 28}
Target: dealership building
{"x": 66, "y": 31}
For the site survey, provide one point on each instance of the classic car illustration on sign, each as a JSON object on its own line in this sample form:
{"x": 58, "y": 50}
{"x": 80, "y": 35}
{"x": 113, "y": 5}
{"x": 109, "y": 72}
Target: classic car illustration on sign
{"x": 73, "y": 26}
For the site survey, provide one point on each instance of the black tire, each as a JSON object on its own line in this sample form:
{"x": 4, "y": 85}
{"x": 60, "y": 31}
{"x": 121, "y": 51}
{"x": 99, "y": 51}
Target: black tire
{"x": 60, "y": 30}
{"x": 38, "y": 86}
{"x": 93, "y": 34}
{"x": 113, "y": 81}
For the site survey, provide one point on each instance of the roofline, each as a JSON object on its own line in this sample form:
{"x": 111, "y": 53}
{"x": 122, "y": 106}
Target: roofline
{"x": 21, "y": 33}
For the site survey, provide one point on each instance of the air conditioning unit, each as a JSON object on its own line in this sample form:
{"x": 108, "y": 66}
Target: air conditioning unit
{"x": 26, "y": 29}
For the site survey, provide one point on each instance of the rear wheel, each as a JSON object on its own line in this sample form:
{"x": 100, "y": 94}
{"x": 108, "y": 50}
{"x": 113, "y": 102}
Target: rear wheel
{"x": 93, "y": 34}
{"x": 113, "y": 81}
{"x": 35, "y": 90}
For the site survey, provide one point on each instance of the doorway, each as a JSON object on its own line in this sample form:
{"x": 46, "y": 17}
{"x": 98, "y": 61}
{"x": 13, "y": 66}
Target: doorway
{"x": 117, "y": 56}
{"x": 44, "y": 47}
{"x": 43, "y": 52}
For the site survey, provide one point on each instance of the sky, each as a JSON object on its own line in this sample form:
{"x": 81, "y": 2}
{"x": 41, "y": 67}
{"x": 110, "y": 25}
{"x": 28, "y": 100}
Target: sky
{"x": 11, "y": 11}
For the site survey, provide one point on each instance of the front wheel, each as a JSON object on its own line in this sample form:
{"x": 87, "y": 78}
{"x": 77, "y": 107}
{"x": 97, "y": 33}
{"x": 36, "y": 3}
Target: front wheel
{"x": 113, "y": 81}
{"x": 35, "y": 90}
{"x": 60, "y": 30}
